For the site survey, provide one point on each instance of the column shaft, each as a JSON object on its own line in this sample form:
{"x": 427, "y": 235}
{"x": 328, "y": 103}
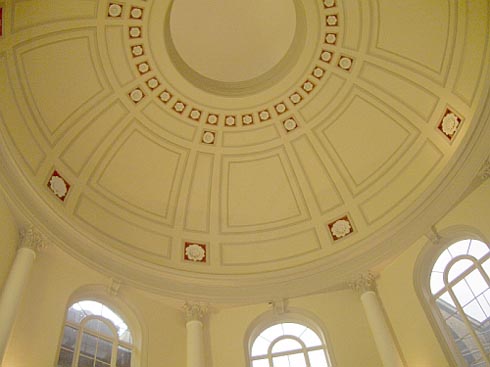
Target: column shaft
{"x": 381, "y": 331}
{"x": 195, "y": 344}
{"x": 12, "y": 293}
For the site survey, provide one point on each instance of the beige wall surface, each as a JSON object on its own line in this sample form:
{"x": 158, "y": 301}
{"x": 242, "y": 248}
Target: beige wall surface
{"x": 9, "y": 237}
{"x": 56, "y": 276}
{"x": 419, "y": 345}
{"x": 339, "y": 314}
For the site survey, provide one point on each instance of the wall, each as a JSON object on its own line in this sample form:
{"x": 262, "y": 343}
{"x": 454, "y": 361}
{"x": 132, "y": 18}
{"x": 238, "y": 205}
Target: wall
{"x": 340, "y": 313}
{"x": 419, "y": 345}
{"x": 9, "y": 239}
{"x": 54, "y": 278}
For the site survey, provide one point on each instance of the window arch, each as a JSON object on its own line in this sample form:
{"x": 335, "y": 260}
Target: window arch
{"x": 287, "y": 341}
{"x": 94, "y": 336}
{"x": 459, "y": 287}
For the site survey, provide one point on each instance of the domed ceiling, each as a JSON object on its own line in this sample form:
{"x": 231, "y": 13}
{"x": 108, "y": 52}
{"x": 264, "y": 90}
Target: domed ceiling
{"x": 234, "y": 150}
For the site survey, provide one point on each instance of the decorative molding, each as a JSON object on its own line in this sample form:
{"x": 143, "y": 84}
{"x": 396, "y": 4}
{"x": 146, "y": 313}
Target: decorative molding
{"x": 113, "y": 288}
{"x": 280, "y": 306}
{"x": 364, "y": 282}
{"x": 433, "y": 235}
{"x": 194, "y": 311}
{"x": 484, "y": 172}
{"x": 33, "y": 239}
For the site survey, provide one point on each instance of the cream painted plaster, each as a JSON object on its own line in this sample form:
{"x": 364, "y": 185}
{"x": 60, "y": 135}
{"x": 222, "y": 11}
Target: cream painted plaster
{"x": 9, "y": 239}
{"x": 396, "y": 286}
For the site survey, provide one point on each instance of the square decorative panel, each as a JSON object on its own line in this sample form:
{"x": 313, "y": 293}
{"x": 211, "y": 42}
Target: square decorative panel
{"x": 450, "y": 124}
{"x": 58, "y": 185}
{"x": 195, "y": 252}
{"x": 340, "y": 228}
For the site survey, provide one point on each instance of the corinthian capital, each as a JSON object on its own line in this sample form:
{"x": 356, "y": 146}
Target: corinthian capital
{"x": 33, "y": 239}
{"x": 364, "y": 282}
{"x": 194, "y": 311}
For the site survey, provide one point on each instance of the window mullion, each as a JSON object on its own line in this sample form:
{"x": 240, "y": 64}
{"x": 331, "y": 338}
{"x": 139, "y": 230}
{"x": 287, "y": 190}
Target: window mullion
{"x": 468, "y": 325}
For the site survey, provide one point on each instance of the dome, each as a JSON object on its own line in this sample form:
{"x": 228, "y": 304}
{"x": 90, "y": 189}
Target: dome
{"x": 241, "y": 150}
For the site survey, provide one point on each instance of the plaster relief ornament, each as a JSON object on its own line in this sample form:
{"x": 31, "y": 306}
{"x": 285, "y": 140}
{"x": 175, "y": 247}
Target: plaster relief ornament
{"x": 136, "y": 95}
{"x": 115, "y": 10}
{"x": 137, "y": 50}
{"x": 340, "y": 228}
{"x": 134, "y": 32}
{"x": 247, "y": 120}
{"x": 326, "y": 56}
{"x": 318, "y": 72}
{"x": 290, "y": 124}
{"x": 331, "y": 38}
{"x": 328, "y": 3}
{"x": 208, "y": 137}
{"x": 230, "y": 121}
{"x": 264, "y": 115}
{"x": 345, "y": 63}
{"x": 165, "y": 96}
{"x": 195, "y": 252}
{"x": 58, "y": 185}
{"x": 212, "y": 119}
{"x": 280, "y": 108}
{"x": 332, "y": 20}
{"x": 136, "y": 13}
{"x": 450, "y": 124}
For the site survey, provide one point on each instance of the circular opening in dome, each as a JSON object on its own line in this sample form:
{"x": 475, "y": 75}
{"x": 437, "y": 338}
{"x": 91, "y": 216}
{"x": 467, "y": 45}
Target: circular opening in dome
{"x": 232, "y": 40}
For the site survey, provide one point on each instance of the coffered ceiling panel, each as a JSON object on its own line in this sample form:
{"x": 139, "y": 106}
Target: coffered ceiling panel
{"x": 208, "y": 150}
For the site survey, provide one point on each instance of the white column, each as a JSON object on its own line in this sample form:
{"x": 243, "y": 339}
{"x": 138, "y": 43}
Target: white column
{"x": 31, "y": 241}
{"x": 195, "y": 335}
{"x": 385, "y": 342}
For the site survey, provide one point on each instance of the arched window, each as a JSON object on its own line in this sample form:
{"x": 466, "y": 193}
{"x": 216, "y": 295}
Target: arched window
{"x": 460, "y": 288}
{"x": 288, "y": 344}
{"x": 94, "y": 336}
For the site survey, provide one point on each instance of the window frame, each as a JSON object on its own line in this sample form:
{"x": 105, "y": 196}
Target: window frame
{"x": 422, "y": 273}
{"x": 297, "y": 316}
{"x": 103, "y": 295}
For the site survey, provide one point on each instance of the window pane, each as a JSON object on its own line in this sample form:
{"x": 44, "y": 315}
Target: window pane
{"x": 484, "y": 301}
{"x": 75, "y": 315}
{"x": 442, "y": 261}
{"x": 446, "y": 300}
{"x": 85, "y": 361}
{"x": 478, "y": 249}
{"x": 261, "y": 363}
{"x": 457, "y": 327}
{"x": 463, "y": 293}
{"x": 282, "y": 361}
{"x": 436, "y": 282}
{"x": 458, "y": 268}
{"x": 317, "y": 359}
{"x": 285, "y": 345}
{"x": 476, "y": 282}
{"x": 474, "y": 311}
{"x": 100, "y": 328}
{"x": 297, "y": 360}
{"x": 69, "y": 338}
{"x": 260, "y": 347}
{"x": 459, "y": 248}
{"x": 293, "y": 329}
{"x": 123, "y": 357}
{"x": 273, "y": 332}
{"x": 104, "y": 351}
{"x": 486, "y": 266}
{"x": 310, "y": 338}
{"x": 88, "y": 345}
{"x": 65, "y": 359}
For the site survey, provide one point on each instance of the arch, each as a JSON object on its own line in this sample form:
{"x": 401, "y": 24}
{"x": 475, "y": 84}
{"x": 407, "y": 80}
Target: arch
{"x": 94, "y": 314}
{"x": 453, "y": 284}
{"x": 292, "y": 338}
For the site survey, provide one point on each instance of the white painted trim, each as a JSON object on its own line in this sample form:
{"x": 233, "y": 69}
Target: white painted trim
{"x": 421, "y": 278}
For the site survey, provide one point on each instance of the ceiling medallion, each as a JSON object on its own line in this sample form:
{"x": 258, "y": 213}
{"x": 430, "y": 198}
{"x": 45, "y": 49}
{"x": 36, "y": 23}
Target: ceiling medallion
{"x": 340, "y": 228}
{"x": 450, "y": 124}
{"x": 294, "y": 14}
{"x": 195, "y": 252}
{"x": 58, "y": 185}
